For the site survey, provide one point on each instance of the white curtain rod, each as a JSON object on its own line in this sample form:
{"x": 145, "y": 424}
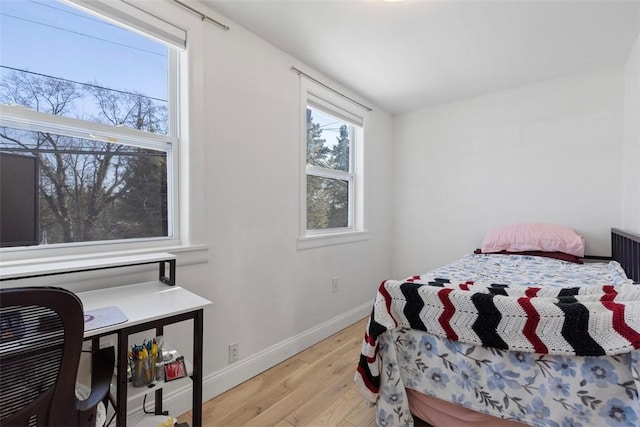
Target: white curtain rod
{"x": 203, "y": 16}
{"x": 302, "y": 73}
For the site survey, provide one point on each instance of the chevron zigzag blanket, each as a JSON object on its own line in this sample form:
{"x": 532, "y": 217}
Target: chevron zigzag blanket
{"x": 578, "y": 321}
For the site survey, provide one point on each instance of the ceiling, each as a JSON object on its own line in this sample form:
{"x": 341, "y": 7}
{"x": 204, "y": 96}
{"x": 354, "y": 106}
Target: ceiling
{"x": 418, "y": 53}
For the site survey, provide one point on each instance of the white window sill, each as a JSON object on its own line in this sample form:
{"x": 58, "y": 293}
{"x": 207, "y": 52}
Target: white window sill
{"x": 319, "y": 241}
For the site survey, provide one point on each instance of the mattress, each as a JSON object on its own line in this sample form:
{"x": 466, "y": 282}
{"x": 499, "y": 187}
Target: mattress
{"x": 440, "y": 413}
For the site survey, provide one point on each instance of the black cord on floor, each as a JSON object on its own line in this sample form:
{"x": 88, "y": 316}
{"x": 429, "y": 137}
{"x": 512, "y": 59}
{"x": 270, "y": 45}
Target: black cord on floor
{"x": 144, "y": 405}
{"x": 144, "y": 408}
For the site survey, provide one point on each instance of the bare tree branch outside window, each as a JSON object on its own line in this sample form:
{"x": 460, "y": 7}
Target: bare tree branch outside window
{"x": 91, "y": 190}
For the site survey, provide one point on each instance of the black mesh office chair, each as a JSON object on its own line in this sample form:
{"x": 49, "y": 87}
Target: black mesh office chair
{"x": 41, "y": 334}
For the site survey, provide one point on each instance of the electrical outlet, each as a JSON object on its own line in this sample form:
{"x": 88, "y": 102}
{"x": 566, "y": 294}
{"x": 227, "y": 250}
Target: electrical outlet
{"x": 334, "y": 284}
{"x": 234, "y": 352}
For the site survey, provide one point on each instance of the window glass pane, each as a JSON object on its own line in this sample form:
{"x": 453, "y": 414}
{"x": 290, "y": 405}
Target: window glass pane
{"x": 327, "y": 203}
{"x": 87, "y": 190}
{"x": 60, "y": 60}
{"x": 327, "y": 141}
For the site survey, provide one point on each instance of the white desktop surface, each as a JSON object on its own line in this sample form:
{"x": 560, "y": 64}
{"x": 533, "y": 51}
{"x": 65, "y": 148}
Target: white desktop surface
{"x": 141, "y": 302}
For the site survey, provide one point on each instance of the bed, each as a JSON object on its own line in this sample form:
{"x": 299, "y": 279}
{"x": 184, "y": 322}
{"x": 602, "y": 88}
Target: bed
{"x": 502, "y": 340}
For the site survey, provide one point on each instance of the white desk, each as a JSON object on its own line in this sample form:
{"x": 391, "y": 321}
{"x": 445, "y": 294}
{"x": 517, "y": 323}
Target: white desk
{"x": 147, "y": 306}
{"x": 150, "y": 305}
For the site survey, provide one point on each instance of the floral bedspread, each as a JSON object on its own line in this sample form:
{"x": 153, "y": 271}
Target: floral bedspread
{"x": 532, "y": 388}
{"x": 526, "y": 270}
{"x": 540, "y": 390}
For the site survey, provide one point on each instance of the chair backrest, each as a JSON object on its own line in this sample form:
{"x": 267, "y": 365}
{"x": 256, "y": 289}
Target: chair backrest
{"x": 41, "y": 334}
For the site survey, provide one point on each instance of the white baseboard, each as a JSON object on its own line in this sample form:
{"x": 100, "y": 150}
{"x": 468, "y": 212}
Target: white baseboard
{"x": 179, "y": 401}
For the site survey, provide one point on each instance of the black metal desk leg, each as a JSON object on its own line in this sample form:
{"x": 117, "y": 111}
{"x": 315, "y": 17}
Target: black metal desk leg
{"x": 158, "y": 398}
{"x": 197, "y": 370}
{"x": 121, "y": 393}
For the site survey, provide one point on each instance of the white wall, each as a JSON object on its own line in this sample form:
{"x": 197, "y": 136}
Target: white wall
{"x": 631, "y": 153}
{"x": 269, "y": 297}
{"x": 549, "y": 152}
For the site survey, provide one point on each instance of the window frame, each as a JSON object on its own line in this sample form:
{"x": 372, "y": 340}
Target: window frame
{"x": 27, "y": 119}
{"x": 319, "y": 98}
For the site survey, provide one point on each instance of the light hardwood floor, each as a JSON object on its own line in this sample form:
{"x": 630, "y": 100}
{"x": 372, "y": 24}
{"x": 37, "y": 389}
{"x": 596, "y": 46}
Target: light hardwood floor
{"x": 312, "y": 388}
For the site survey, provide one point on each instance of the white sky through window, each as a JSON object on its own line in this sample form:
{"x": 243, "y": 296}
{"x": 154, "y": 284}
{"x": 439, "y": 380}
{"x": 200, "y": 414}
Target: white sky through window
{"x": 330, "y": 127}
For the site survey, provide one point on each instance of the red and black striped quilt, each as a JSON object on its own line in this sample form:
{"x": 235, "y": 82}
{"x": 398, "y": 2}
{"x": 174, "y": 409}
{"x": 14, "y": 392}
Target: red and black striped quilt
{"x": 578, "y": 321}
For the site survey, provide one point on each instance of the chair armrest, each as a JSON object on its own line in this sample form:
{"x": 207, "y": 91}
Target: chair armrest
{"x": 102, "y": 363}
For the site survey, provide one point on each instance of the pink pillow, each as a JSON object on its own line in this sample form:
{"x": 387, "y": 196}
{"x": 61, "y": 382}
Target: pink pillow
{"x": 534, "y": 237}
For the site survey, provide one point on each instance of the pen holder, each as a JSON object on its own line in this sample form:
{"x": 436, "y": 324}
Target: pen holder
{"x": 142, "y": 372}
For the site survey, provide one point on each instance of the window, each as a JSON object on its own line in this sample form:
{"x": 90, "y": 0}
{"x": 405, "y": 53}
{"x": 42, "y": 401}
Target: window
{"x": 94, "y": 105}
{"x": 332, "y": 188}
